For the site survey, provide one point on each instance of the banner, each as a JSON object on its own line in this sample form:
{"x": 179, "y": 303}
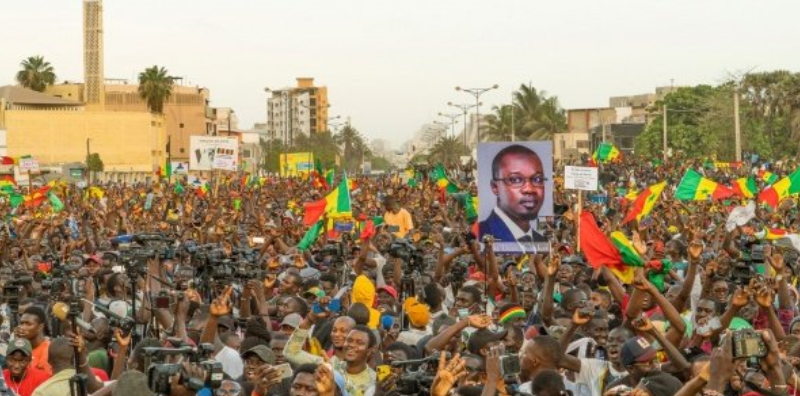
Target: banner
{"x": 580, "y": 178}
{"x": 296, "y": 164}
{"x": 213, "y": 152}
{"x": 28, "y": 164}
{"x": 515, "y": 194}
{"x": 180, "y": 168}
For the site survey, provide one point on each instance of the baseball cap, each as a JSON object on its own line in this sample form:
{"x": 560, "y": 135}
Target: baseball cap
{"x": 636, "y": 350}
{"x": 292, "y": 320}
{"x": 263, "y": 352}
{"x": 482, "y": 337}
{"x": 21, "y": 345}
{"x": 93, "y": 257}
{"x": 389, "y": 289}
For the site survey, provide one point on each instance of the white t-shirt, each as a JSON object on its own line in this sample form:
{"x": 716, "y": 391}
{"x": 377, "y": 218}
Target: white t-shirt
{"x": 594, "y": 373}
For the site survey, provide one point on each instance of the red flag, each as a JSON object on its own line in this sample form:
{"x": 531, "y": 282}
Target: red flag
{"x": 595, "y": 245}
{"x": 368, "y": 231}
{"x": 313, "y": 211}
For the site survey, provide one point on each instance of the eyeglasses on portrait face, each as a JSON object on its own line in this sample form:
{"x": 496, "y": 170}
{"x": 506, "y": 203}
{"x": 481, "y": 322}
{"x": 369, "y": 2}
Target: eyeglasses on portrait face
{"x": 516, "y": 181}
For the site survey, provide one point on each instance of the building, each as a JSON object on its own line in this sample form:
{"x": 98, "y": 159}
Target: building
{"x": 620, "y": 123}
{"x": 58, "y": 131}
{"x": 469, "y": 135}
{"x": 297, "y": 110}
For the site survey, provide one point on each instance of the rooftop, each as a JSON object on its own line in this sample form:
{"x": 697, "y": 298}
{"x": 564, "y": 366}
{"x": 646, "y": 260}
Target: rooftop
{"x": 15, "y": 94}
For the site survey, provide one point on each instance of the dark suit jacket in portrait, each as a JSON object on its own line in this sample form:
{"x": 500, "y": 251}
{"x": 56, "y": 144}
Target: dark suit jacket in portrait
{"x": 495, "y": 226}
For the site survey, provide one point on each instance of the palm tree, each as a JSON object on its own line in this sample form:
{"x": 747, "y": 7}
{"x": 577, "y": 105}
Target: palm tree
{"x": 540, "y": 116}
{"x": 498, "y": 125}
{"x": 322, "y": 144}
{"x": 352, "y": 143}
{"x": 447, "y": 151}
{"x": 36, "y": 73}
{"x": 155, "y": 87}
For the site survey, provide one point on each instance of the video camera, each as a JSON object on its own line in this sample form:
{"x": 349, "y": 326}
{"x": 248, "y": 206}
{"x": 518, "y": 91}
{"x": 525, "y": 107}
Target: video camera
{"x": 743, "y": 270}
{"x": 159, "y": 372}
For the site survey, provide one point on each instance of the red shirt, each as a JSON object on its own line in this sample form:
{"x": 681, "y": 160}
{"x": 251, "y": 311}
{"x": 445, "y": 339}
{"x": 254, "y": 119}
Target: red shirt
{"x": 30, "y": 381}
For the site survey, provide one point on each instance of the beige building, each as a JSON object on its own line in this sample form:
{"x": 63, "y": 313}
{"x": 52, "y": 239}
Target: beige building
{"x": 56, "y": 130}
{"x": 186, "y": 112}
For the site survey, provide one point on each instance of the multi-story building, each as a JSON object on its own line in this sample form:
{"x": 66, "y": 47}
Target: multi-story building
{"x": 620, "y": 123}
{"x": 300, "y": 110}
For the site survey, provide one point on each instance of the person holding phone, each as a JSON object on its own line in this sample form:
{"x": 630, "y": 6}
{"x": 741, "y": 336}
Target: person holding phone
{"x": 398, "y": 220}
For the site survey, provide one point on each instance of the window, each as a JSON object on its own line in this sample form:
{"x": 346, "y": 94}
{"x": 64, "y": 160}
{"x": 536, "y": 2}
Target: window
{"x": 312, "y": 102}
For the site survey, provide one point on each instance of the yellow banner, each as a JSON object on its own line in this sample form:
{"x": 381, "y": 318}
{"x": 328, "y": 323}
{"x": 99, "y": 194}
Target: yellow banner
{"x": 296, "y": 164}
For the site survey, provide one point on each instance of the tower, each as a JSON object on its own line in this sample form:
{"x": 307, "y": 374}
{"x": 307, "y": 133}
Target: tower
{"x": 94, "y": 91}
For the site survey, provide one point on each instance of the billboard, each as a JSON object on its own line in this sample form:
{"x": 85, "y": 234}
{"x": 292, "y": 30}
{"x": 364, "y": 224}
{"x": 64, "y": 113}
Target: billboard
{"x": 296, "y": 164}
{"x": 515, "y": 194}
{"x": 213, "y": 152}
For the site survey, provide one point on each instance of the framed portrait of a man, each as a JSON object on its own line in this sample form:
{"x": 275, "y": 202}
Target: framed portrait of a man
{"x": 515, "y": 192}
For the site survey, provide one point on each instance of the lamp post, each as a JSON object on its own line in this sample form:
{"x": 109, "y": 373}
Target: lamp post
{"x": 464, "y": 107}
{"x": 477, "y": 92}
{"x": 453, "y": 121}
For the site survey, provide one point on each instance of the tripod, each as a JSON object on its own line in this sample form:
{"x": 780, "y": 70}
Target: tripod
{"x": 77, "y": 383}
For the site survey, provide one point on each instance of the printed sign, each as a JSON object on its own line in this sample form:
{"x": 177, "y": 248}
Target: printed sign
{"x": 580, "y": 178}
{"x": 296, "y": 164}
{"x": 213, "y": 152}
{"x": 28, "y": 164}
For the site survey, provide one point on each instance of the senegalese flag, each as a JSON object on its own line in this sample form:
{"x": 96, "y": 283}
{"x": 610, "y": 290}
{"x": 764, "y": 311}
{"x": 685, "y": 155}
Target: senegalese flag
{"x": 16, "y": 199}
{"x": 644, "y": 202}
{"x": 329, "y": 175}
{"x": 411, "y": 176}
{"x": 443, "y": 181}
{"x": 745, "y": 187}
{"x": 178, "y": 188}
{"x": 166, "y": 170}
{"x": 55, "y": 202}
{"x": 606, "y": 152}
{"x": 6, "y": 187}
{"x": 617, "y": 253}
{"x": 310, "y": 236}
{"x": 767, "y": 177}
{"x": 37, "y": 197}
{"x": 337, "y": 203}
{"x": 202, "y": 190}
{"x": 779, "y": 191}
{"x": 695, "y": 187}
{"x": 771, "y": 234}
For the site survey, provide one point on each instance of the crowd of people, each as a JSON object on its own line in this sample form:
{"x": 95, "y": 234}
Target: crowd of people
{"x": 161, "y": 288}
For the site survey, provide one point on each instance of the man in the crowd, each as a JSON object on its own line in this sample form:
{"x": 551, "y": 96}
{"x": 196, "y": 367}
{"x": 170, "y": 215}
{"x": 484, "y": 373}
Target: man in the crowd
{"x": 20, "y": 375}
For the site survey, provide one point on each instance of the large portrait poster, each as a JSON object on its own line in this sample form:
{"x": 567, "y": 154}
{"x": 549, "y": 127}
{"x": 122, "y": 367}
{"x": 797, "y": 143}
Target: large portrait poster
{"x": 515, "y": 194}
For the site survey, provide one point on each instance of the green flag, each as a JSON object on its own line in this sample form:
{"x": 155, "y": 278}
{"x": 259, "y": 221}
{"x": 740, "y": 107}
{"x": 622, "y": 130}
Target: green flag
{"x": 237, "y": 204}
{"x": 178, "y": 188}
{"x": 16, "y": 199}
{"x": 55, "y": 202}
{"x": 310, "y": 237}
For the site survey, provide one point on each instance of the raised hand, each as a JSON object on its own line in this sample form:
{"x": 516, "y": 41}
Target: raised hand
{"x": 581, "y": 317}
{"x": 642, "y": 324}
{"x": 222, "y": 305}
{"x": 740, "y": 298}
{"x": 449, "y": 373}
{"x": 481, "y": 321}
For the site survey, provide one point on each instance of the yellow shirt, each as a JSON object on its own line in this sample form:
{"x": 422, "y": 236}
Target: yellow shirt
{"x": 402, "y": 220}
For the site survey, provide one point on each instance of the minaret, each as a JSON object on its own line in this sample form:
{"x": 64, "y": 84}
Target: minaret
{"x": 94, "y": 91}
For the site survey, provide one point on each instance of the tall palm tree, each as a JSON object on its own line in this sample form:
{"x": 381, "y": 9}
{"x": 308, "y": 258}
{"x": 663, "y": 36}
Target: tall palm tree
{"x": 155, "y": 87}
{"x": 36, "y": 73}
{"x": 540, "y": 116}
{"x": 351, "y": 141}
{"x": 447, "y": 151}
{"x": 498, "y": 125}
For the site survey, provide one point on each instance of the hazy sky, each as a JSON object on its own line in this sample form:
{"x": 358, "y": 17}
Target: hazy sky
{"x": 392, "y": 66}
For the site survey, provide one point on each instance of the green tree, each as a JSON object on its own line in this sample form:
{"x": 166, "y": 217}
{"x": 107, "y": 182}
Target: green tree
{"x": 687, "y": 109}
{"x": 540, "y": 115}
{"x": 272, "y": 150}
{"x": 381, "y": 164}
{"x": 498, "y": 125}
{"x": 447, "y": 151}
{"x": 36, "y": 74}
{"x": 353, "y": 148}
{"x": 774, "y": 100}
{"x": 155, "y": 87}
{"x": 322, "y": 144}
{"x": 94, "y": 163}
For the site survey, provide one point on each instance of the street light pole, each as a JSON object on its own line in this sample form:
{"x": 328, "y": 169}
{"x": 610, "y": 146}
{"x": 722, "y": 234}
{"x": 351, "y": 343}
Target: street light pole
{"x": 664, "y": 122}
{"x": 464, "y": 107}
{"x": 736, "y": 125}
{"x": 88, "y": 175}
{"x": 477, "y": 92}
{"x": 452, "y": 118}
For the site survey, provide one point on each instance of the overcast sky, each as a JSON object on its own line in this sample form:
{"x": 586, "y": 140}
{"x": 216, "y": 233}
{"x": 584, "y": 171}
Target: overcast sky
{"x": 392, "y": 66}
